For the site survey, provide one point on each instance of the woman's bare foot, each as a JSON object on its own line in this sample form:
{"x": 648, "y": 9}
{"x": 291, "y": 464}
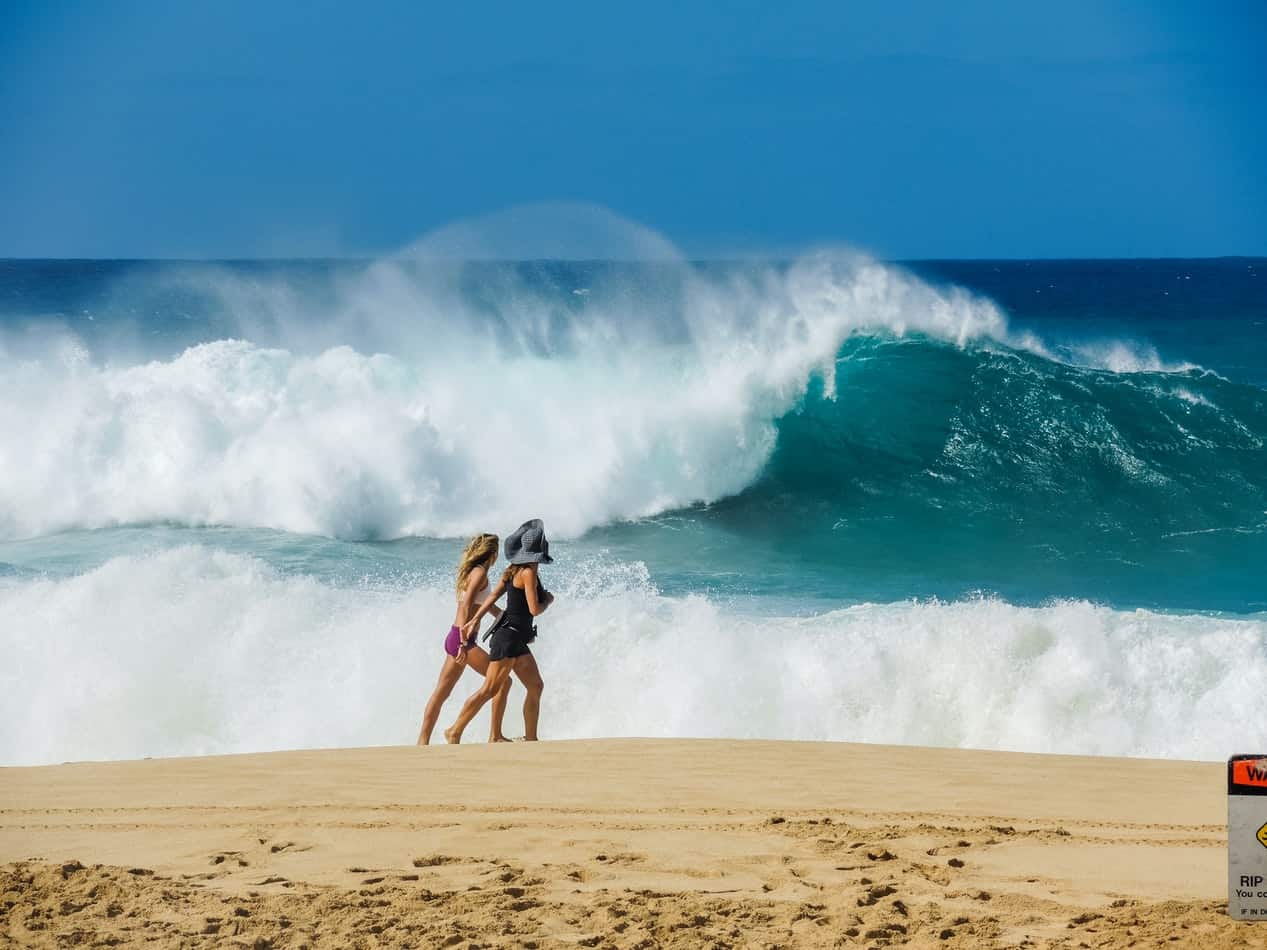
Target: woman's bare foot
{"x": 452, "y": 737}
{"x": 498, "y": 739}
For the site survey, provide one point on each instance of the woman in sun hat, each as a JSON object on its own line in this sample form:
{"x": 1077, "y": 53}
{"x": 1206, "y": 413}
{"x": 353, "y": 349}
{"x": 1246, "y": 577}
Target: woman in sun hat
{"x": 526, "y": 550}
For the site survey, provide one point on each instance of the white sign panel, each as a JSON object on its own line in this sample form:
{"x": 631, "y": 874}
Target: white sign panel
{"x": 1247, "y": 837}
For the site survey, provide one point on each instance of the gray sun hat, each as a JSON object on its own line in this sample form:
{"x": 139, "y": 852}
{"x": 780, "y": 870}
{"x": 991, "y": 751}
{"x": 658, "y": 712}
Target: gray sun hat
{"x": 528, "y": 544}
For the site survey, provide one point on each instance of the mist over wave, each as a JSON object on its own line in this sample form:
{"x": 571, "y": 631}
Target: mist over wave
{"x": 392, "y": 404}
{"x": 194, "y": 650}
{"x": 642, "y": 401}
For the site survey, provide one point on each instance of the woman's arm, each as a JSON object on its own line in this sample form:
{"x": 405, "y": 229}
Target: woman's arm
{"x": 536, "y": 605}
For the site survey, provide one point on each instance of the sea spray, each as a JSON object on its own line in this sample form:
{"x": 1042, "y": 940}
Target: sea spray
{"x": 631, "y": 417}
{"x": 193, "y": 651}
{"x": 651, "y": 394}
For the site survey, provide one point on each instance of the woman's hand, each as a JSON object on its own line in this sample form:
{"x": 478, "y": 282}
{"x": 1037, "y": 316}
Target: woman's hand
{"x": 468, "y": 628}
{"x": 460, "y": 659}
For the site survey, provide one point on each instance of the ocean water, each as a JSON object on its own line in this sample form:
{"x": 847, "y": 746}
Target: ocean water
{"x": 1010, "y": 504}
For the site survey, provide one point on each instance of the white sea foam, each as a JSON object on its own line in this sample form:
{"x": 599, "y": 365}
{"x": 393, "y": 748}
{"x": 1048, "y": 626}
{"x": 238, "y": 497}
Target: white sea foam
{"x": 616, "y": 411}
{"x": 1122, "y": 356}
{"x": 421, "y": 396}
{"x": 195, "y": 650}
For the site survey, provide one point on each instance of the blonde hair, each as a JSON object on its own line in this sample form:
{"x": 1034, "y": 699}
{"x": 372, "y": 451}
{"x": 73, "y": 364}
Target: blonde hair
{"x": 481, "y": 551}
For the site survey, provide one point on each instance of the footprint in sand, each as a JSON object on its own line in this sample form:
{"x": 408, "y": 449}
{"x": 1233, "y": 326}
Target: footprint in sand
{"x": 290, "y": 846}
{"x": 875, "y": 893}
{"x": 435, "y": 860}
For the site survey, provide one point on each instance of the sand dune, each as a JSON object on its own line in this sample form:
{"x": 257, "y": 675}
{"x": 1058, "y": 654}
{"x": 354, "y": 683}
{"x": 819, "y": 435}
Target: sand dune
{"x": 619, "y": 843}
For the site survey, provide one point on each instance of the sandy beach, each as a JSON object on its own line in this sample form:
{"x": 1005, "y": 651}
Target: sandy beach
{"x": 618, "y": 843}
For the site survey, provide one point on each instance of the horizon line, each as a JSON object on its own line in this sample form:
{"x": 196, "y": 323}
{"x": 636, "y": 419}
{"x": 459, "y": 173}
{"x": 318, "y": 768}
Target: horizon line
{"x": 362, "y": 259}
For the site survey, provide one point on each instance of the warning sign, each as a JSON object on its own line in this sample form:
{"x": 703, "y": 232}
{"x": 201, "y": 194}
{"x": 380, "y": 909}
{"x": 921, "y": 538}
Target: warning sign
{"x": 1250, "y": 771}
{"x": 1247, "y": 837}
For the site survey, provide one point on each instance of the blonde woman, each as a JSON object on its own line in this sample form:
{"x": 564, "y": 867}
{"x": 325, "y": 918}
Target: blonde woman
{"x": 462, "y": 651}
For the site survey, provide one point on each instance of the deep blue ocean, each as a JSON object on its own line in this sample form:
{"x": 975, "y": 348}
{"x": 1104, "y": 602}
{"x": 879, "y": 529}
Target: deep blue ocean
{"x": 1001, "y": 504}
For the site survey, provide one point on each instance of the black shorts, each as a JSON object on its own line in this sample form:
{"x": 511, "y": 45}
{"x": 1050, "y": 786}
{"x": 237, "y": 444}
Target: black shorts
{"x": 506, "y": 646}
{"x": 506, "y": 642}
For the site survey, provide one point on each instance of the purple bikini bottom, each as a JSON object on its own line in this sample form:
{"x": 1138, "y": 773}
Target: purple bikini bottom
{"x": 453, "y": 639}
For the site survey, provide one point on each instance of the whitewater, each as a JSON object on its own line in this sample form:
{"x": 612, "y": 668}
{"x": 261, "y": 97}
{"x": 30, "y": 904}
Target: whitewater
{"x": 640, "y": 410}
{"x": 825, "y": 498}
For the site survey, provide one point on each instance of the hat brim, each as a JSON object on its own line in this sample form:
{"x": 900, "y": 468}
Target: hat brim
{"x": 531, "y": 557}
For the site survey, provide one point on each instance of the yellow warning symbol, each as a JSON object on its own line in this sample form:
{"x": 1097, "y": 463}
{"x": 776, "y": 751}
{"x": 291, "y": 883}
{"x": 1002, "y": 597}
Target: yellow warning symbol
{"x": 1262, "y": 835}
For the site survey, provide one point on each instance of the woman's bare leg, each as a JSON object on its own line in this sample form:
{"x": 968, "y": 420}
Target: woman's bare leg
{"x": 528, "y": 673}
{"x": 494, "y": 680}
{"x": 477, "y": 660}
{"x": 450, "y": 673}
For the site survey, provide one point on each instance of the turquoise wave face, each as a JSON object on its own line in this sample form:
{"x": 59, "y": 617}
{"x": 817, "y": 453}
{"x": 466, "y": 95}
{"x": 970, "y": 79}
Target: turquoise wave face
{"x": 940, "y": 471}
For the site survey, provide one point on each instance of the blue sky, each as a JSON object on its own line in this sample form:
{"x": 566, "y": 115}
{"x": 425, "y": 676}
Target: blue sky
{"x": 913, "y": 129}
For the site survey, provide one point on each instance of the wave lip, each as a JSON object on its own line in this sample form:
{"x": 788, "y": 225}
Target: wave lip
{"x": 646, "y": 394}
{"x": 629, "y": 417}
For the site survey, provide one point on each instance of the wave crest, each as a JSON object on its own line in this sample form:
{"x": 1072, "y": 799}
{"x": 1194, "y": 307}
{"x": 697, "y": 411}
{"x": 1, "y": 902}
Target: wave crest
{"x": 644, "y": 395}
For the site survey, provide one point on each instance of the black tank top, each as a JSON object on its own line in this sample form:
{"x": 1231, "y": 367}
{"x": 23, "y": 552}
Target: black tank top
{"x": 517, "y": 614}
